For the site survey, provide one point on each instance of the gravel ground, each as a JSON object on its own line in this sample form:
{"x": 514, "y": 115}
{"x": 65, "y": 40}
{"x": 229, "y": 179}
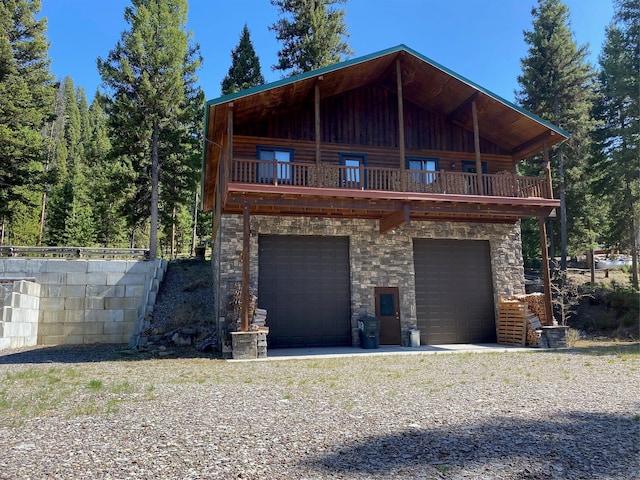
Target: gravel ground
{"x": 93, "y": 412}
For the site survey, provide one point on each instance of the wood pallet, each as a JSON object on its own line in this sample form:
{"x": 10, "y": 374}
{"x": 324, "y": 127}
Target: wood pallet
{"x": 512, "y": 323}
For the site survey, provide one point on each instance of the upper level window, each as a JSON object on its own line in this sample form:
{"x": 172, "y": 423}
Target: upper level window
{"x": 425, "y": 168}
{"x": 276, "y": 168}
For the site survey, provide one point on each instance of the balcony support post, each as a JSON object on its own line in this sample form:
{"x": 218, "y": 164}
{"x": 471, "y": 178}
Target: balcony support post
{"x": 316, "y": 109}
{"x": 403, "y": 180}
{"x": 227, "y": 163}
{"x": 546, "y": 165}
{"x": 246, "y": 253}
{"x": 476, "y": 146}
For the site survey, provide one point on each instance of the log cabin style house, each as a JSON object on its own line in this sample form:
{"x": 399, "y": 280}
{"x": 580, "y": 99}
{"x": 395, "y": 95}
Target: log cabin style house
{"x": 384, "y": 185}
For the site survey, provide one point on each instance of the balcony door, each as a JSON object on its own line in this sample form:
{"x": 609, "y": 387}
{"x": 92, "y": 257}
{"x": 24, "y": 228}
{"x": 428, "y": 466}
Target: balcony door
{"x": 274, "y": 167}
{"x": 352, "y": 171}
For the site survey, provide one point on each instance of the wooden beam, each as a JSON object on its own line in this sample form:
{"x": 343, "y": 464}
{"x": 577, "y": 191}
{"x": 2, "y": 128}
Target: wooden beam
{"x": 476, "y": 147}
{"x": 463, "y": 107}
{"x": 403, "y": 180}
{"x": 316, "y": 109}
{"x": 246, "y": 253}
{"x": 546, "y": 275}
{"x": 395, "y": 219}
{"x": 227, "y": 162}
{"x": 546, "y": 165}
{"x": 371, "y": 208}
{"x": 530, "y": 147}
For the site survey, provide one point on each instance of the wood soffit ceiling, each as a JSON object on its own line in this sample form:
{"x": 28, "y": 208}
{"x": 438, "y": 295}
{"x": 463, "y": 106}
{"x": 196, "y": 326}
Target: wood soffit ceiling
{"x": 427, "y": 85}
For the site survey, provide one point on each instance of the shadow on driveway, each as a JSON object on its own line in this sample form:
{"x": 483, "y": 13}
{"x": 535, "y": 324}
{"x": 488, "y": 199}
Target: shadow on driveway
{"x": 573, "y": 445}
{"x": 94, "y": 353}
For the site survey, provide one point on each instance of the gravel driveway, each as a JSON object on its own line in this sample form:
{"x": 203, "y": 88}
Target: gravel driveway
{"x": 83, "y": 413}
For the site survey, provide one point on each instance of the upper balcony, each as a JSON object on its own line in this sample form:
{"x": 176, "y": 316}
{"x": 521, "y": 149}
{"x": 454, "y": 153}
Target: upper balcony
{"x": 330, "y": 190}
{"x": 344, "y": 177}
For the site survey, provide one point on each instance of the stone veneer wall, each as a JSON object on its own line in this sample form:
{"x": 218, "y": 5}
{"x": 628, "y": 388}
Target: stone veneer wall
{"x": 375, "y": 259}
{"x": 89, "y": 301}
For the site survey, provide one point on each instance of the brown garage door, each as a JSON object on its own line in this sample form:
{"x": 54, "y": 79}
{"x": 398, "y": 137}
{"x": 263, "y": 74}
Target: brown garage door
{"x": 454, "y": 291}
{"x": 304, "y": 285}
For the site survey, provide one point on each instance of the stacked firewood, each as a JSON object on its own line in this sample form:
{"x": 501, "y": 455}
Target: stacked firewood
{"x": 236, "y": 306}
{"x": 535, "y": 302}
{"x": 533, "y": 327}
{"x": 259, "y": 319}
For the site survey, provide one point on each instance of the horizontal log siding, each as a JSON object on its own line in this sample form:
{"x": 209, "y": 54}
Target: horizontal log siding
{"x": 368, "y": 117}
{"x": 304, "y": 151}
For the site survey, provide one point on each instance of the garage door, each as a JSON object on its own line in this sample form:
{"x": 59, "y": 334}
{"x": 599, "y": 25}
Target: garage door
{"x": 304, "y": 285}
{"x": 454, "y": 291}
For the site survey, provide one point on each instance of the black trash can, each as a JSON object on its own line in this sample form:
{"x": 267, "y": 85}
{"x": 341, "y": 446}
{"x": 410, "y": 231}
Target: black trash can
{"x": 369, "y": 330}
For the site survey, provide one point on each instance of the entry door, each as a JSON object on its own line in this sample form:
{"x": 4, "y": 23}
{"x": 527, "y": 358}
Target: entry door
{"x": 388, "y": 311}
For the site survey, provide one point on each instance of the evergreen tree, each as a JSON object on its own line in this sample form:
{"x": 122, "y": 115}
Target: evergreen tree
{"x": 26, "y": 93}
{"x": 557, "y": 85}
{"x": 110, "y": 226}
{"x": 55, "y": 157}
{"x": 312, "y": 33}
{"x": 617, "y": 165}
{"x": 150, "y": 77}
{"x": 244, "y": 71}
{"x": 72, "y": 126}
{"x": 69, "y": 221}
{"x": 85, "y": 125}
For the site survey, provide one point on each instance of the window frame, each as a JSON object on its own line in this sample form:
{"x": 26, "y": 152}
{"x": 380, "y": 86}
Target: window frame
{"x": 419, "y": 175}
{"x": 466, "y": 164}
{"x": 361, "y": 158}
{"x": 276, "y": 173}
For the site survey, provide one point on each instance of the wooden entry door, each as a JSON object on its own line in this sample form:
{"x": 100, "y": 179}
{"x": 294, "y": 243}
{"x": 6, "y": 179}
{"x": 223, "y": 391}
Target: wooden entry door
{"x": 388, "y": 311}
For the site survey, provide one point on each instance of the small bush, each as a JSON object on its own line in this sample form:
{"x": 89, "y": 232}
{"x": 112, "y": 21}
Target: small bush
{"x": 573, "y": 336}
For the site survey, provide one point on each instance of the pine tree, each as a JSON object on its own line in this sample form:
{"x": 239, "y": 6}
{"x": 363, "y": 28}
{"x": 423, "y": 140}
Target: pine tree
{"x": 617, "y": 164}
{"x": 244, "y": 71}
{"x": 69, "y": 220}
{"x": 110, "y": 226}
{"x": 557, "y": 85}
{"x": 313, "y": 34}
{"x": 150, "y": 77}
{"x": 26, "y": 93}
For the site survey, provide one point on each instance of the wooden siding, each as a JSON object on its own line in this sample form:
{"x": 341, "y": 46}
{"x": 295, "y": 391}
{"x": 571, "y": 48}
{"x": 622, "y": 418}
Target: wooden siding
{"x": 368, "y": 117}
{"x": 244, "y": 147}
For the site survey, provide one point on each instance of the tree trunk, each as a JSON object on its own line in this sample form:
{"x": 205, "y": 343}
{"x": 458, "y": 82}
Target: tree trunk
{"x": 195, "y": 225}
{"x": 552, "y": 248}
{"x": 173, "y": 255}
{"x": 633, "y": 240}
{"x": 153, "y": 234}
{"x": 42, "y": 215}
{"x": 563, "y": 212}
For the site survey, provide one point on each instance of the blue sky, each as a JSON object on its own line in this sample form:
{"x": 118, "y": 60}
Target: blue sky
{"x": 481, "y": 40}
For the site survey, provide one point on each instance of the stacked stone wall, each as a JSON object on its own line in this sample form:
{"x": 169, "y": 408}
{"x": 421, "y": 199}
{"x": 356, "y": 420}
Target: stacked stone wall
{"x": 376, "y": 260}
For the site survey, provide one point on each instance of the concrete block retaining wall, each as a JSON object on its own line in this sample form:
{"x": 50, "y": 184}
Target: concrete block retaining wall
{"x": 19, "y": 313}
{"x": 90, "y": 301}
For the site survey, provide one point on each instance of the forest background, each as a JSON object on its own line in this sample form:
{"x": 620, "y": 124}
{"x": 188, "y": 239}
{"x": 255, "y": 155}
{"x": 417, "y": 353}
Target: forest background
{"x": 123, "y": 169}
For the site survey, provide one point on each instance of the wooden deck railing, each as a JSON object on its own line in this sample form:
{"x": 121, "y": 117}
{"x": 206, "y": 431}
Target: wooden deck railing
{"x": 385, "y": 179}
